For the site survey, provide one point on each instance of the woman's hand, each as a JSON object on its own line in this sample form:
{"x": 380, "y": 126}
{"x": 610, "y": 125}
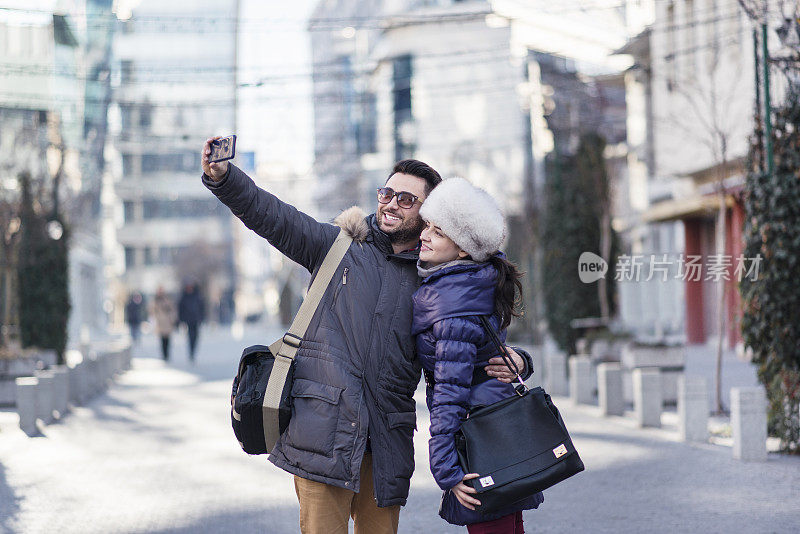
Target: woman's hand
{"x": 463, "y": 492}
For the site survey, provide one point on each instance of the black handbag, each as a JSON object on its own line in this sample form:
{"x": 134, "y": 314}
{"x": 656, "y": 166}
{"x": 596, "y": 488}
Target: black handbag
{"x": 261, "y": 396}
{"x": 519, "y": 446}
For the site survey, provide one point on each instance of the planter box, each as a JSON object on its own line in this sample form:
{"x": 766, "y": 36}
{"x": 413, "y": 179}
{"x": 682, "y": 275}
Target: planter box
{"x": 8, "y": 392}
{"x": 25, "y": 365}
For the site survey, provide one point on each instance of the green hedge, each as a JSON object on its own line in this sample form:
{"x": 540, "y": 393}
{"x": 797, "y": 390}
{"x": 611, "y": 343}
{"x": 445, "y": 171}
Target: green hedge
{"x": 42, "y": 272}
{"x": 571, "y": 227}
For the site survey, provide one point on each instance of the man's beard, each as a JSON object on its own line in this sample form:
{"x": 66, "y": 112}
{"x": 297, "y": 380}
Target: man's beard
{"x": 408, "y": 230}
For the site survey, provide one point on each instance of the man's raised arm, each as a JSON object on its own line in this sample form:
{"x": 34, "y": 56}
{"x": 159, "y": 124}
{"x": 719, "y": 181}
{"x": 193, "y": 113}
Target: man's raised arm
{"x": 298, "y": 236}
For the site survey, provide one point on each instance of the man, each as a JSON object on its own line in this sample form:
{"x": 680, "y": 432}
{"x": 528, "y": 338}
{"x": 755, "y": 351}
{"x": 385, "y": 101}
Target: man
{"x": 350, "y": 439}
{"x": 133, "y": 315}
{"x": 191, "y": 312}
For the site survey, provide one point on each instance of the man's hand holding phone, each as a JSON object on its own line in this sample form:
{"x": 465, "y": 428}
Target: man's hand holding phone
{"x": 216, "y": 170}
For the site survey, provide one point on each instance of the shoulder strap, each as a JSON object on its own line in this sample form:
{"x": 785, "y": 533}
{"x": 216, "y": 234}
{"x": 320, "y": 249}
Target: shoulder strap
{"x": 510, "y": 363}
{"x": 288, "y": 345}
{"x": 285, "y": 348}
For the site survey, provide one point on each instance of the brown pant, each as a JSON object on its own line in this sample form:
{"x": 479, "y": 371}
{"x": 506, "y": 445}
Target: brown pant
{"x": 326, "y": 509}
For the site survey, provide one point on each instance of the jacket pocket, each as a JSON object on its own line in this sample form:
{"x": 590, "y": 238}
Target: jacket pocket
{"x": 401, "y": 437}
{"x": 315, "y": 413}
{"x": 398, "y": 419}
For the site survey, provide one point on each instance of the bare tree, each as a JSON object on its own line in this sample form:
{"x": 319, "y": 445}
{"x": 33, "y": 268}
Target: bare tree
{"x": 200, "y": 262}
{"x": 710, "y": 123}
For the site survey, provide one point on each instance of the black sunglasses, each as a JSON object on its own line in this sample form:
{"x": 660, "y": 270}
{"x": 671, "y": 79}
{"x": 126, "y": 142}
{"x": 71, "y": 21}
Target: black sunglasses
{"x": 404, "y": 198}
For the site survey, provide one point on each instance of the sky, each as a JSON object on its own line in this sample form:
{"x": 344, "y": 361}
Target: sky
{"x": 275, "y": 120}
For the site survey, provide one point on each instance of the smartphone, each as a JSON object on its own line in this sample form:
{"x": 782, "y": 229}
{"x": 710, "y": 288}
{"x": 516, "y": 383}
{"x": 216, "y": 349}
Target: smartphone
{"x": 222, "y": 149}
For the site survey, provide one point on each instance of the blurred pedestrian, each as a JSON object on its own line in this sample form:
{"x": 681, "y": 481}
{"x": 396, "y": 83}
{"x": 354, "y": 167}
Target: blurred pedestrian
{"x": 191, "y": 312}
{"x": 166, "y": 317}
{"x": 133, "y": 314}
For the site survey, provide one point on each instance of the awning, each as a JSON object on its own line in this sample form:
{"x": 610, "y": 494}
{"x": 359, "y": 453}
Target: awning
{"x": 671, "y": 210}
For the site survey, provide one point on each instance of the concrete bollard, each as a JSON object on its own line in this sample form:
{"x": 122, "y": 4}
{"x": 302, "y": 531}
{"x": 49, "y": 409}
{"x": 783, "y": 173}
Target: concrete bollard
{"x": 85, "y": 383}
{"x": 609, "y": 389}
{"x": 647, "y": 397}
{"x": 581, "y": 386}
{"x": 75, "y": 384}
{"x": 116, "y": 363}
{"x": 693, "y": 408}
{"x": 113, "y": 365}
{"x": 90, "y": 381}
{"x": 556, "y": 373}
{"x": 45, "y": 395}
{"x": 749, "y": 424}
{"x": 108, "y": 369}
{"x": 26, "y": 399}
{"x": 95, "y": 378}
{"x": 120, "y": 362}
{"x": 60, "y": 389}
{"x": 600, "y": 350}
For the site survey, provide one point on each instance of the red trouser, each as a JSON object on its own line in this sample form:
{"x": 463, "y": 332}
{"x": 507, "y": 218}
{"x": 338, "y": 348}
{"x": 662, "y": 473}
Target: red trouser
{"x": 508, "y": 524}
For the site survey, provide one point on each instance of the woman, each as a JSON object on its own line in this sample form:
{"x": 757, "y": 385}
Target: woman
{"x": 166, "y": 317}
{"x": 464, "y": 276}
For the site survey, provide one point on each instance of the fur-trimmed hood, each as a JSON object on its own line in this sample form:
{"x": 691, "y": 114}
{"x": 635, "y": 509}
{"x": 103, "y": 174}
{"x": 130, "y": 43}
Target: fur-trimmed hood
{"x": 353, "y": 221}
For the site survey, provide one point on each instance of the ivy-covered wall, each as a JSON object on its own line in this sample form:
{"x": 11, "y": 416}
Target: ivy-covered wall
{"x": 771, "y": 320}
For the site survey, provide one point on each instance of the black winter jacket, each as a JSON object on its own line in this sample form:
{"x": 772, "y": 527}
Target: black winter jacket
{"x": 355, "y": 371}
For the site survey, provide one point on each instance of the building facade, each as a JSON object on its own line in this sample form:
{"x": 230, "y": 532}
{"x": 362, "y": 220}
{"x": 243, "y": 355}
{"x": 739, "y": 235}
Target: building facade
{"x": 54, "y": 93}
{"x": 174, "y": 85}
{"x": 693, "y": 93}
{"x": 469, "y": 87}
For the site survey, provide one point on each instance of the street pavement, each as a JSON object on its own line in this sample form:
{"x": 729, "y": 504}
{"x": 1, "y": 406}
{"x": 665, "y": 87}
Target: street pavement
{"x": 156, "y": 454}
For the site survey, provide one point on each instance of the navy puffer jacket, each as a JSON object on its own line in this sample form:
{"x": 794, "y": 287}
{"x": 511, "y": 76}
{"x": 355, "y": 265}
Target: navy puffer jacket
{"x": 451, "y": 342}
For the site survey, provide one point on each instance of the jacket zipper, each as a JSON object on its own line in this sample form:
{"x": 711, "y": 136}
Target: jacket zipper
{"x": 339, "y": 287}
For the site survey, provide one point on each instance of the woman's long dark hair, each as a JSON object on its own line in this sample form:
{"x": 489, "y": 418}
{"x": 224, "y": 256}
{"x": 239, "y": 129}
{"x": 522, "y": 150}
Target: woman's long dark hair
{"x": 508, "y": 292}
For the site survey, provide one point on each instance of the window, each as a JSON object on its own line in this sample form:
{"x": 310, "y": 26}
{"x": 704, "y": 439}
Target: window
{"x": 181, "y": 208}
{"x": 130, "y": 257}
{"x": 145, "y": 115}
{"x": 126, "y": 69}
{"x": 366, "y": 134}
{"x": 402, "y": 75}
{"x": 176, "y": 162}
{"x": 164, "y": 256}
{"x": 128, "y": 167}
{"x": 401, "y": 79}
{"x": 128, "y": 206}
{"x": 149, "y": 255}
{"x": 127, "y": 112}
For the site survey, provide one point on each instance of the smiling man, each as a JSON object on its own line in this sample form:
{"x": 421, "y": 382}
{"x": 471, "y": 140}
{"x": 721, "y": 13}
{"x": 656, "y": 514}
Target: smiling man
{"x": 350, "y": 439}
{"x": 400, "y": 219}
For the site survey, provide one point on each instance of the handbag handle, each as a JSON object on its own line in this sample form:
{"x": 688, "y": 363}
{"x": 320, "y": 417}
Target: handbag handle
{"x": 510, "y": 363}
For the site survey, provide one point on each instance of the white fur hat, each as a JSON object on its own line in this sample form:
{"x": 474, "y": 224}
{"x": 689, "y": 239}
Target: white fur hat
{"x": 468, "y": 215}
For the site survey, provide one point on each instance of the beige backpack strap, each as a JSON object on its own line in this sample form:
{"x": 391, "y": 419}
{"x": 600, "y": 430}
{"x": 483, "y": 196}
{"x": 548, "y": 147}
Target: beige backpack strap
{"x": 285, "y": 348}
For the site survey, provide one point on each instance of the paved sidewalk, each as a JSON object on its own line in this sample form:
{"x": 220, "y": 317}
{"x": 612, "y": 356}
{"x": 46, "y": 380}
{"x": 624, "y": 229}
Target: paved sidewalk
{"x": 156, "y": 454}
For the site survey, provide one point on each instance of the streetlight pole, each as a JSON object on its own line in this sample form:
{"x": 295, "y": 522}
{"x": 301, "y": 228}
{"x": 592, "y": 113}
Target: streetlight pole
{"x": 767, "y": 104}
